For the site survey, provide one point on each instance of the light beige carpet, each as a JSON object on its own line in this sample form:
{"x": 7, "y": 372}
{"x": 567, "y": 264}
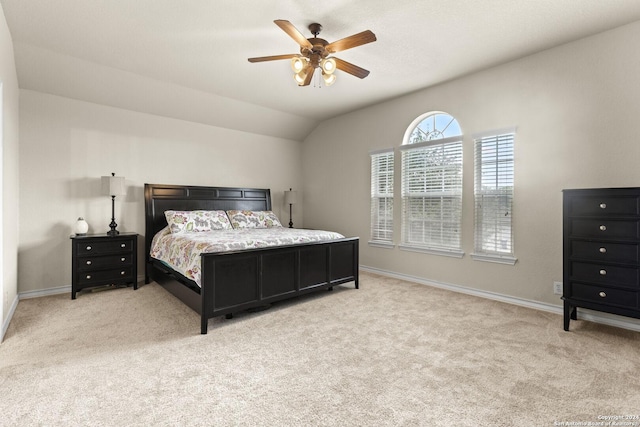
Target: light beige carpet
{"x": 389, "y": 354}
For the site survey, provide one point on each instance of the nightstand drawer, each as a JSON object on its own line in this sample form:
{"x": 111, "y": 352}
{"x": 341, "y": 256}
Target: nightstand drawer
{"x": 605, "y": 274}
{"x": 104, "y": 246}
{"x": 599, "y": 251}
{"x": 604, "y": 229}
{"x": 124, "y": 274}
{"x": 604, "y": 205}
{"x": 604, "y": 295}
{"x": 106, "y": 261}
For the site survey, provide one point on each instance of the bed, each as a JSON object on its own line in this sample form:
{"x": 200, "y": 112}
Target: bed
{"x": 240, "y": 280}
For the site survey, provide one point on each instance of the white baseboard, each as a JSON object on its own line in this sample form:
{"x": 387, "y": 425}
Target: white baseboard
{"x": 583, "y": 314}
{"x": 45, "y": 292}
{"x": 5, "y": 324}
{"x": 55, "y": 291}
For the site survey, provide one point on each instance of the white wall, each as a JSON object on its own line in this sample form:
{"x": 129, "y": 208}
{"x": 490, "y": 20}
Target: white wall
{"x": 576, "y": 110}
{"x": 67, "y": 145}
{"x": 9, "y": 176}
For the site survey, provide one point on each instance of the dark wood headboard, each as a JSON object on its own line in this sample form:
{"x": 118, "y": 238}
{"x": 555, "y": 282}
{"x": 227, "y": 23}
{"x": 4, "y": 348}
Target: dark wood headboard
{"x": 159, "y": 198}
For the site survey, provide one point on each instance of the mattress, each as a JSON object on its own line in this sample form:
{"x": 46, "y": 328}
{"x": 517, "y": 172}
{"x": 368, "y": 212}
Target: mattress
{"x": 181, "y": 251}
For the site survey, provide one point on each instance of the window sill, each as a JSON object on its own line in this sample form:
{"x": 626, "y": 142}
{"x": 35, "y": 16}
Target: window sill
{"x": 498, "y": 259}
{"x": 432, "y": 251}
{"x": 385, "y": 245}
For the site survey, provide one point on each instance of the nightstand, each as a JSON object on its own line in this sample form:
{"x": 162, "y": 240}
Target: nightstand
{"x": 100, "y": 260}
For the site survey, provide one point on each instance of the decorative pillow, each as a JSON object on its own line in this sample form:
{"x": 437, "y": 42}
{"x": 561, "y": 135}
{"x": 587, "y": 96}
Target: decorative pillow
{"x": 253, "y": 219}
{"x": 197, "y": 221}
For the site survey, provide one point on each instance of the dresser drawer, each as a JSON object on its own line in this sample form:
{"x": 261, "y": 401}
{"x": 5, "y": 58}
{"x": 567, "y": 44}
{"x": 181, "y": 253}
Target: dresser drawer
{"x": 604, "y": 229}
{"x": 604, "y": 205}
{"x": 124, "y": 274}
{"x": 105, "y": 261}
{"x": 104, "y": 246}
{"x": 605, "y": 274}
{"x": 600, "y": 251}
{"x": 604, "y": 295}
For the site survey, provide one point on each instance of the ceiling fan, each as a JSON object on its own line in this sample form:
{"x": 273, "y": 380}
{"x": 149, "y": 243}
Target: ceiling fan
{"x": 316, "y": 53}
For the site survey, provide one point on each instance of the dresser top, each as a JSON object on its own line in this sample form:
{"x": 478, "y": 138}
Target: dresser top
{"x": 105, "y": 235}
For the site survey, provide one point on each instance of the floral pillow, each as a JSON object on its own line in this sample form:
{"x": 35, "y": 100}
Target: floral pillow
{"x": 253, "y": 219}
{"x": 196, "y": 221}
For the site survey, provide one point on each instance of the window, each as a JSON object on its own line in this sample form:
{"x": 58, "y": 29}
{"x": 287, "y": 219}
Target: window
{"x": 432, "y": 185}
{"x": 382, "y": 197}
{"x": 494, "y": 170}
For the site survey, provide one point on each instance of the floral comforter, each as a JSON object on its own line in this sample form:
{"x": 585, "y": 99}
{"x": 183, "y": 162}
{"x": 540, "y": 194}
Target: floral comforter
{"x": 181, "y": 251}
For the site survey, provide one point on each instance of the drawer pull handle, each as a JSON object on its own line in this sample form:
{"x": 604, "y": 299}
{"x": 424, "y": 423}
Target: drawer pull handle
{"x": 88, "y": 276}
{"x": 603, "y": 272}
{"x": 603, "y": 206}
{"x": 123, "y": 245}
{"x": 122, "y": 259}
{"x": 602, "y": 294}
{"x": 89, "y": 262}
{"x": 603, "y": 250}
{"x": 122, "y": 273}
{"x": 603, "y": 228}
{"x": 88, "y": 248}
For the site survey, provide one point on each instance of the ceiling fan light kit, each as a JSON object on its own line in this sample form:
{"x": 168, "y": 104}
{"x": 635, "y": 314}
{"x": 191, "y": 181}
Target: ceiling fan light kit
{"x": 315, "y": 53}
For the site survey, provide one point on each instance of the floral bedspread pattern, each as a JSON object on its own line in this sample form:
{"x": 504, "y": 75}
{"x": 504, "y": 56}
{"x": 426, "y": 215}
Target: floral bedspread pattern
{"x": 182, "y": 251}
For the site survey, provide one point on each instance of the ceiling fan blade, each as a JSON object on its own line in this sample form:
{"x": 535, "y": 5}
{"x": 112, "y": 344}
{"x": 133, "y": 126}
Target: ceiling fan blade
{"x": 351, "y": 41}
{"x": 293, "y": 32}
{"x": 348, "y": 67}
{"x": 272, "y": 58}
{"x": 309, "y": 76}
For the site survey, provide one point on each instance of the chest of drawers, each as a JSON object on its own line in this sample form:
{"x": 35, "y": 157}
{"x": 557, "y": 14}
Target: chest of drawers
{"x": 102, "y": 260}
{"x": 601, "y": 238}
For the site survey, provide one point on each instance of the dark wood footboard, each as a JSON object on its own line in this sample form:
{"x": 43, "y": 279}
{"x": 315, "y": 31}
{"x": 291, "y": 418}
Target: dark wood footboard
{"x": 238, "y": 281}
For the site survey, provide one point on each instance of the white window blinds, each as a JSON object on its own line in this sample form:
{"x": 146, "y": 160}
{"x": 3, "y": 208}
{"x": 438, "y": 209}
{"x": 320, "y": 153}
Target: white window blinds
{"x": 494, "y": 171}
{"x": 432, "y": 194}
{"x": 382, "y": 196}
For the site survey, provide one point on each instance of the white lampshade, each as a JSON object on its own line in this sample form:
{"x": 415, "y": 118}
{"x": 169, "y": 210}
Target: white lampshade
{"x": 290, "y": 197}
{"x": 113, "y": 186}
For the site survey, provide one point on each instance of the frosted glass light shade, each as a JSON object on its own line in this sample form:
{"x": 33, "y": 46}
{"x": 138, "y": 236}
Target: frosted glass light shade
{"x": 329, "y": 79}
{"x": 298, "y": 64}
{"x": 113, "y": 186}
{"x": 328, "y": 65}
{"x": 302, "y": 75}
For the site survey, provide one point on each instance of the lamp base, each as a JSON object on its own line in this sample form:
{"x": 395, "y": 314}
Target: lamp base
{"x": 113, "y": 225}
{"x": 290, "y": 218}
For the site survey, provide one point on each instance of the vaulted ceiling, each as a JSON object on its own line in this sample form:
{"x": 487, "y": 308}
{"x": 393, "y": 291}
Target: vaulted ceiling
{"x": 188, "y": 59}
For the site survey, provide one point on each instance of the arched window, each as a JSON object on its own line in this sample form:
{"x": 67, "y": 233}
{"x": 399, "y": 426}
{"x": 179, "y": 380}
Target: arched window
{"x": 435, "y": 125}
{"x": 432, "y": 185}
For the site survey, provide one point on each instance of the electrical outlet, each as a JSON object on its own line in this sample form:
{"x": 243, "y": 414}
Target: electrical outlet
{"x": 557, "y": 288}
